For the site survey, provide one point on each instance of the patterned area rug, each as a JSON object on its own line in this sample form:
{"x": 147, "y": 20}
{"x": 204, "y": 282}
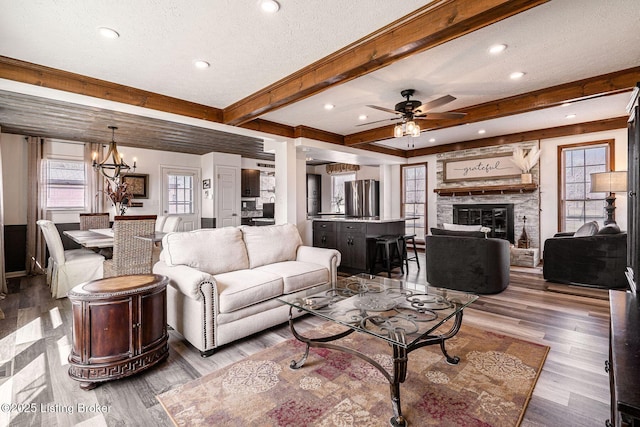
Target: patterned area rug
{"x": 491, "y": 385}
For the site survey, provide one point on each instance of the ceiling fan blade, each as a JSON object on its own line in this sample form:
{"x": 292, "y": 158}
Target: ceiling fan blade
{"x": 434, "y": 104}
{"x": 450, "y": 115}
{"x": 388, "y": 110}
{"x": 378, "y": 121}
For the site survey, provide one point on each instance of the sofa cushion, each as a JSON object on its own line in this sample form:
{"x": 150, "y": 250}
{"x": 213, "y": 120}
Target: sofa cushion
{"x": 461, "y": 227}
{"x": 214, "y": 251}
{"x": 270, "y": 244}
{"x": 587, "y": 229}
{"x": 442, "y": 232}
{"x": 242, "y": 288}
{"x": 298, "y": 275}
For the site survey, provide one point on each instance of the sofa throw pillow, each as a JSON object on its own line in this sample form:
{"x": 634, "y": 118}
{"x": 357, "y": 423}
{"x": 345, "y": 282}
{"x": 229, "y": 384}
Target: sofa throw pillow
{"x": 461, "y": 227}
{"x": 609, "y": 229}
{"x": 587, "y": 229}
{"x": 271, "y": 243}
{"x": 214, "y": 251}
{"x": 443, "y": 232}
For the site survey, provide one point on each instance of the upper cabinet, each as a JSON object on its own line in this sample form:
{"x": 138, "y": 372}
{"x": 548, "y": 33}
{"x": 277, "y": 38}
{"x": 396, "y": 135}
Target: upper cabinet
{"x": 250, "y": 183}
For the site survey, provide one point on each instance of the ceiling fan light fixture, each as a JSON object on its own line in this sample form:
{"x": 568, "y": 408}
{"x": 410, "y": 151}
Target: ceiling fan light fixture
{"x": 410, "y": 127}
{"x": 416, "y": 131}
{"x": 397, "y": 131}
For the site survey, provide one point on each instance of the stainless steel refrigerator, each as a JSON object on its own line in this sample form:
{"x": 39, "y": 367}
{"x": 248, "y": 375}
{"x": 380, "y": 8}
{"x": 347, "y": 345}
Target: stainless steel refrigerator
{"x": 361, "y": 198}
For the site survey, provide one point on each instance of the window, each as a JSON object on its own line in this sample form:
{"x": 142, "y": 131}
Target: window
{"x": 337, "y": 190}
{"x": 577, "y": 204}
{"x": 66, "y": 184}
{"x": 414, "y": 190}
{"x": 180, "y": 194}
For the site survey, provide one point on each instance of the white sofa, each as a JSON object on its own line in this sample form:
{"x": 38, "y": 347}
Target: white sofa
{"x": 224, "y": 282}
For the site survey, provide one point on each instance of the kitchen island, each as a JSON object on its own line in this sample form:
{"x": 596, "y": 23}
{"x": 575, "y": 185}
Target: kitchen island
{"x": 354, "y": 237}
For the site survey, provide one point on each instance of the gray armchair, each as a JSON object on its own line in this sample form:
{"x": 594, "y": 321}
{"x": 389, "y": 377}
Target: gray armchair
{"x": 470, "y": 264}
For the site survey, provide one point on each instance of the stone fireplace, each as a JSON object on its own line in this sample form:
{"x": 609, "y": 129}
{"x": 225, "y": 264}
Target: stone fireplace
{"x": 522, "y": 199}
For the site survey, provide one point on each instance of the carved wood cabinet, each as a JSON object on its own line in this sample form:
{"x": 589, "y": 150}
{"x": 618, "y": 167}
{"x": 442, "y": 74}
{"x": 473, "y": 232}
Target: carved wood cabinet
{"x": 119, "y": 327}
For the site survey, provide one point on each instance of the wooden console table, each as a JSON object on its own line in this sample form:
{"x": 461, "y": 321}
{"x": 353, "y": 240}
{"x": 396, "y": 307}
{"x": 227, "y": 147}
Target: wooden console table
{"x": 119, "y": 327}
{"x": 624, "y": 359}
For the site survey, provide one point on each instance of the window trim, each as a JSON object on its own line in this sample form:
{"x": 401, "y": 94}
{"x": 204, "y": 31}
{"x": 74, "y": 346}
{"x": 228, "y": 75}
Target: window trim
{"x": 560, "y": 170}
{"x": 426, "y": 186}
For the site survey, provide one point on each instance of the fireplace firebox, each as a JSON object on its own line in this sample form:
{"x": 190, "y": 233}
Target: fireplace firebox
{"x": 497, "y": 217}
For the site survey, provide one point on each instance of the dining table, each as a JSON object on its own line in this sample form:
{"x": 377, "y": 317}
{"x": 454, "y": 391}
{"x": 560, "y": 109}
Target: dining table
{"x": 103, "y": 237}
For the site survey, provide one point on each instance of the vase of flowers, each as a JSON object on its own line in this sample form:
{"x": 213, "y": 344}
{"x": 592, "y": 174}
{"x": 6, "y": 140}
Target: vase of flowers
{"x": 119, "y": 196}
{"x": 525, "y": 162}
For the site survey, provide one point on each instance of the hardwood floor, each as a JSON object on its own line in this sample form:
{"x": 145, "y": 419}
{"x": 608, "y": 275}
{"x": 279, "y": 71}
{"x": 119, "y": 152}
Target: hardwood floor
{"x": 35, "y": 339}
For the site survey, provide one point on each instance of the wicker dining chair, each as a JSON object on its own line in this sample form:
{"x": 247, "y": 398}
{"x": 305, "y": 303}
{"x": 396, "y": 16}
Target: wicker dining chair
{"x": 131, "y": 255}
{"x": 94, "y": 220}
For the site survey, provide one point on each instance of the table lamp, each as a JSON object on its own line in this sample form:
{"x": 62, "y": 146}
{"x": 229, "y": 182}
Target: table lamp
{"x": 609, "y": 182}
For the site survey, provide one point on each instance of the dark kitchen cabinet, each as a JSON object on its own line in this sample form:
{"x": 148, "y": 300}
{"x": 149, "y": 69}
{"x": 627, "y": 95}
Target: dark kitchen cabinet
{"x": 324, "y": 234}
{"x": 314, "y": 191}
{"x": 250, "y": 183}
{"x": 355, "y": 240}
{"x": 352, "y": 244}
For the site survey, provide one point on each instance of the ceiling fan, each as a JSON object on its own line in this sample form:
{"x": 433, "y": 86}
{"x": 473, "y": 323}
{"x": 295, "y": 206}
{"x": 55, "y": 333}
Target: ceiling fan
{"x": 412, "y": 108}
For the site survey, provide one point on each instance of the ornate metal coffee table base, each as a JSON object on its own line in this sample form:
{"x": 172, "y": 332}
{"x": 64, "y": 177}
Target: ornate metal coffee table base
{"x": 400, "y": 357}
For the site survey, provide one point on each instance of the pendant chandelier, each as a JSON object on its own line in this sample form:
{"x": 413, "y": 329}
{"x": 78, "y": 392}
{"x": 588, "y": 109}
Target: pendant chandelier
{"x": 113, "y": 166}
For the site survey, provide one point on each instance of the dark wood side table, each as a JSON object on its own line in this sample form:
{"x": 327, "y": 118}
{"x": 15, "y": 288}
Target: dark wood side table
{"x": 624, "y": 359}
{"x": 119, "y": 327}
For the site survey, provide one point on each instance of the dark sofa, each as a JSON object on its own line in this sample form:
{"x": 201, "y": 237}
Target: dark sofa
{"x": 471, "y": 264}
{"x": 599, "y": 260}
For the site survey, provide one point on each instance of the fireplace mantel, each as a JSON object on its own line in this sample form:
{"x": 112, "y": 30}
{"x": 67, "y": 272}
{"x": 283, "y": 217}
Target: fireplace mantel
{"x": 487, "y": 189}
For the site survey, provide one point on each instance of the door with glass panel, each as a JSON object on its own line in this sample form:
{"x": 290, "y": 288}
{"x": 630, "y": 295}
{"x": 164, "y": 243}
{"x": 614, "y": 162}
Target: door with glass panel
{"x": 180, "y": 196}
{"x": 414, "y": 196}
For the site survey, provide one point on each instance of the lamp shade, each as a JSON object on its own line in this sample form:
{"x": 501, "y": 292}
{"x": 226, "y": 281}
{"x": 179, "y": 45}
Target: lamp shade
{"x": 609, "y": 182}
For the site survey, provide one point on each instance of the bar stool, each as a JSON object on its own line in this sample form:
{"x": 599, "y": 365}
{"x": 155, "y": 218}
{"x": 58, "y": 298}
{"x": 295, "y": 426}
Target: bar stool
{"x": 409, "y": 238}
{"x": 389, "y": 253}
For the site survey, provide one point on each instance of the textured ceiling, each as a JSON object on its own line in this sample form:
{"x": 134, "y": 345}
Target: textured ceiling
{"x": 554, "y": 43}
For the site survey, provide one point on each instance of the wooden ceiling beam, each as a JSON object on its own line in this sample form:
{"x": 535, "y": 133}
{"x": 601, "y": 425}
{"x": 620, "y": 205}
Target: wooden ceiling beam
{"x": 604, "y": 85}
{"x": 423, "y": 29}
{"x": 555, "y": 132}
{"x": 38, "y": 75}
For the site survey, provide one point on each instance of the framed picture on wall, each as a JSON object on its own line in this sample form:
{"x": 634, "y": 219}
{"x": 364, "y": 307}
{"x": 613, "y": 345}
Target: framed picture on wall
{"x": 137, "y": 184}
{"x": 479, "y": 168}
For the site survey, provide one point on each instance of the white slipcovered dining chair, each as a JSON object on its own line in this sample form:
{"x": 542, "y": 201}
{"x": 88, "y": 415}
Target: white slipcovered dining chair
{"x": 69, "y": 268}
{"x": 171, "y": 223}
{"x": 160, "y": 222}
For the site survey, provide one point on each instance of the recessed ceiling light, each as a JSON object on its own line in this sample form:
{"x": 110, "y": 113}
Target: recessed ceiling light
{"x": 270, "y": 6}
{"x": 329, "y": 106}
{"x": 497, "y": 48}
{"x": 362, "y": 117}
{"x": 199, "y": 63}
{"x": 432, "y": 140}
{"x": 570, "y": 116}
{"x": 516, "y": 75}
{"x": 108, "y": 33}
{"x": 482, "y": 131}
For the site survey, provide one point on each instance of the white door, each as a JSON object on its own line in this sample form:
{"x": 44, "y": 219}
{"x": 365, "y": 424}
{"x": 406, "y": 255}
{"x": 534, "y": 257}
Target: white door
{"x": 181, "y": 196}
{"x": 228, "y": 194}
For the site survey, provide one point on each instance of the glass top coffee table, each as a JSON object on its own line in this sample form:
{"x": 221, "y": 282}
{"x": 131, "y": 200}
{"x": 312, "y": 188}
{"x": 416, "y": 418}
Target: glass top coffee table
{"x": 406, "y": 315}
